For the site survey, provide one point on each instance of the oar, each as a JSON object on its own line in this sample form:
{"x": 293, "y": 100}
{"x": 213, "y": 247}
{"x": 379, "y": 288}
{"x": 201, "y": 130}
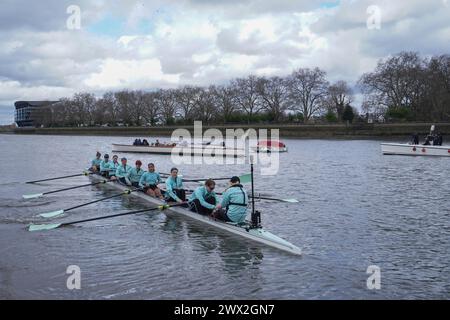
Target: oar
{"x": 259, "y": 197}
{"x": 85, "y": 173}
{"x": 56, "y": 213}
{"x": 41, "y": 227}
{"x": 37, "y": 195}
{"x": 244, "y": 179}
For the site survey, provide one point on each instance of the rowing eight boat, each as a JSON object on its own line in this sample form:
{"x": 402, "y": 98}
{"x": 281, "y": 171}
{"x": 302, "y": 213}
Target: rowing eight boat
{"x": 256, "y": 234}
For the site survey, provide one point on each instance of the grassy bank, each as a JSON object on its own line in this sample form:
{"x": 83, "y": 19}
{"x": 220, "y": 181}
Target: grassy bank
{"x": 286, "y": 131}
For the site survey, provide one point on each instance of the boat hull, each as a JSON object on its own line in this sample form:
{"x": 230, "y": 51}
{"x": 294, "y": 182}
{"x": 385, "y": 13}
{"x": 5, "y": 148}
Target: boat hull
{"x": 258, "y": 235}
{"x": 213, "y": 151}
{"x": 414, "y": 150}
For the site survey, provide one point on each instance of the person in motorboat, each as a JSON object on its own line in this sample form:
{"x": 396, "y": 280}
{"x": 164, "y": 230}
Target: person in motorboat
{"x": 157, "y": 144}
{"x": 428, "y": 140}
{"x": 136, "y": 174}
{"x": 415, "y": 139}
{"x": 123, "y": 172}
{"x": 95, "y": 163}
{"x": 106, "y": 166}
{"x": 174, "y": 187}
{"x": 145, "y": 143}
{"x": 233, "y": 207}
{"x": 149, "y": 182}
{"x": 439, "y": 139}
{"x": 204, "y": 200}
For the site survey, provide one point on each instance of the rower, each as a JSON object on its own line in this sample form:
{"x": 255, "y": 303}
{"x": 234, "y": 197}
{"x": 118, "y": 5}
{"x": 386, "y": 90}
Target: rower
{"x": 115, "y": 165}
{"x": 235, "y": 202}
{"x": 106, "y": 166}
{"x": 95, "y": 163}
{"x": 123, "y": 172}
{"x": 136, "y": 174}
{"x": 174, "y": 186}
{"x": 149, "y": 182}
{"x": 204, "y": 200}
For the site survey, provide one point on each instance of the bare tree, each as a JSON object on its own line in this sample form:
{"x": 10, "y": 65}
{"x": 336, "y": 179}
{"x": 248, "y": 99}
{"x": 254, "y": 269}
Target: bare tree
{"x": 307, "y": 89}
{"x": 84, "y": 106}
{"x": 205, "y": 105}
{"x": 151, "y": 110}
{"x": 438, "y": 88}
{"x": 397, "y": 82}
{"x": 186, "y": 98}
{"x": 339, "y": 95}
{"x": 167, "y": 104}
{"x": 274, "y": 96}
{"x": 225, "y": 102}
{"x": 247, "y": 97}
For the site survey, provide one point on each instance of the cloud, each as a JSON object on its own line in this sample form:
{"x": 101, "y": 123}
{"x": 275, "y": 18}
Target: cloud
{"x": 155, "y": 43}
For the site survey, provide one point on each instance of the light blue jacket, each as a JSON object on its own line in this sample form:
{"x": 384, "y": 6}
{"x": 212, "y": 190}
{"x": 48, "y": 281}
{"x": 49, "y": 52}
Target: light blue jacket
{"x": 122, "y": 172}
{"x": 201, "y": 194}
{"x": 149, "y": 178}
{"x": 235, "y": 201}
{"x": 135, "y": 176}
{"x": 107, "y": 166}
{"x": 171, "y": 184}
{"x": 96, "y": 162}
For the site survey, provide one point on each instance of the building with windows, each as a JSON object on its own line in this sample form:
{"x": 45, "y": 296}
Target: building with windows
{"x": 31, "y": 113}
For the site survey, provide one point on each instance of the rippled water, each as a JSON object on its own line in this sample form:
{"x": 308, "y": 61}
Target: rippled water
{"x": 358, "y": 208}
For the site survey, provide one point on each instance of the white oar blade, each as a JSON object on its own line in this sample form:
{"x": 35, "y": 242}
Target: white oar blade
{"x": 51, "y": 214}
{"x": 290, "y": 200}
{"x": 43, "y": 227}
{"x": 32, "y": 196}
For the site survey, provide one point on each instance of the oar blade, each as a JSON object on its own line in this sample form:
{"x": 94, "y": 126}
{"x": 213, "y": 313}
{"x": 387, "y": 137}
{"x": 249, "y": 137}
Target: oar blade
{"x": 43, "y": 227}
{"x": 51, "y": 214}
{"x": 246, "y": 178}
{"x": 290, "y": 200}
{"x": 32, "y": 196}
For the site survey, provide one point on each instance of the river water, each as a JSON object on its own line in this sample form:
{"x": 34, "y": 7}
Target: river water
{"x": 357, "y": 209}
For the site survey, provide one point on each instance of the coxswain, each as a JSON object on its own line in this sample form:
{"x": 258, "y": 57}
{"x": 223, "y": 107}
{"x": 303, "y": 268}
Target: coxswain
{"x": 149, "y": 182}
{"x": 233, "y": 207}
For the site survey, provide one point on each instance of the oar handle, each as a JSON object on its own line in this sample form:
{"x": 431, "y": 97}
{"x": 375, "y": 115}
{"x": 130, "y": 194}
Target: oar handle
{"x": 99, "y": 200}
{"x": 160, "y": 207}
{"x": 81, "y": 186}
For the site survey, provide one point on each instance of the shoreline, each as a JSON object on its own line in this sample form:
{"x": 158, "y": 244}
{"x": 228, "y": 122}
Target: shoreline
{"x": 335, "y": 131}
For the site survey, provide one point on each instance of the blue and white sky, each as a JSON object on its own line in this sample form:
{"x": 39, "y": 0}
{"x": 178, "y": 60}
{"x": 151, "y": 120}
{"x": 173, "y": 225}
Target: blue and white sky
{"x": 161, "y": 44}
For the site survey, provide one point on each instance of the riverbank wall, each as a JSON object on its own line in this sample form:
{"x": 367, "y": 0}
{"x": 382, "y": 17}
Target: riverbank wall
{"x": 337, "y": 131}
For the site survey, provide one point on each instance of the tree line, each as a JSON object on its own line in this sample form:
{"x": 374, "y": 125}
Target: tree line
{"x": 402, "y": 87}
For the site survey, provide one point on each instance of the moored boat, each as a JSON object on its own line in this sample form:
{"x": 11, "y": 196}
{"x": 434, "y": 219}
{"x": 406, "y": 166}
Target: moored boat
{"x": 271, "y": 146}
{"x": 193, "y": 150}
{"x": 414, "y": 150}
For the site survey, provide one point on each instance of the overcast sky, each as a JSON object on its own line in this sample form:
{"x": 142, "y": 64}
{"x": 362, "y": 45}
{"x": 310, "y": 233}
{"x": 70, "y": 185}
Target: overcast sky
{"x": 151, "y": 44}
